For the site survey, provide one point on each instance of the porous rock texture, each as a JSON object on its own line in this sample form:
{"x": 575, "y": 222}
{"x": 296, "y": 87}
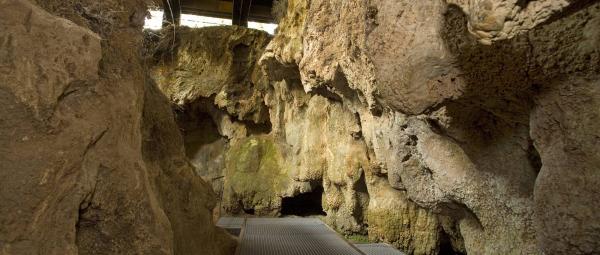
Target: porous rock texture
{"x": 469, "y": 123}
{"x": 91, "y": 161}
{"x": 455, "y": 122}
{"x": 493, "y": 20}
{"x": 218, "y": 90}
{"x": 307, "y": 142}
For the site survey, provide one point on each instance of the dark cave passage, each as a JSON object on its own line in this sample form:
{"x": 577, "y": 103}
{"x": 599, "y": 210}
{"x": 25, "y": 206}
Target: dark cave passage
{"x": 249, "y": 211}
{"x": 446, "y": 245}
{"x": 306, "y": 204}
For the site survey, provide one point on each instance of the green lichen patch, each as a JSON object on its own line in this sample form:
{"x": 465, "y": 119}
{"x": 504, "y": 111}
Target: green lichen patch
{"x": 255, "y": 176}
{"x": 409, "y": 228}
{"x": 357, "y": 238}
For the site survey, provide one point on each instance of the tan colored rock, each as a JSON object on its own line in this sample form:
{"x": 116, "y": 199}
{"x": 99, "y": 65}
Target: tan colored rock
{"x": 565, "y": 130}
{"x": 282, "y": 57}
{"x": 396, "y": 220}
{"x": 361, "y": 92}
{"x": 219, "y": 62}
{"x": 255, "y": 177}
{"x": 45, "y": 175}
{"x": 314, "y": 141}
{"x": 56, "y": 67}
{"x": 564, "y": 127}
{"x": 406, "y": 56}
{"x": 187, "y": 200}
{"x": 409, "y": 31}
{"x": 495, "y": 20}
{"x": 78, "y": 175}
{"x": 211, "y": 75}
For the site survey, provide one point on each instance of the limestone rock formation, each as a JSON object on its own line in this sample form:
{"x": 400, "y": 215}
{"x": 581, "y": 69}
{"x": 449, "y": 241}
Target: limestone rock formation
{"x": 308, "y": 142}
{"x": 80, "y": 172}
{"x": 394, "y": 219}
{"x": 212, "y": 77}
{"x": 187, "y": 199}
{"x": 494, "y": 20}
{"x": 468, "y": 126}
{"x": 459, "y": 126}
{"x": 215, "y": 62}
{"x": 450, "y": 119}
{"x": 564, "y": 127}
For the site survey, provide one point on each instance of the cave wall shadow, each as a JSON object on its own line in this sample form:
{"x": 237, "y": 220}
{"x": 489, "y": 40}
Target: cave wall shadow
{"x": 304, "y": 204}
{"x": 496, "y": 101}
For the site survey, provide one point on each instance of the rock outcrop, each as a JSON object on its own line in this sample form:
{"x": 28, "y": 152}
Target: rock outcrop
{"x": 564, "y": 127}
{"x": 471, "y": 124}
{"x": 91, "y": 160}
{"x": 495, "y": 20}
{"x": 308, "y": 142}
{"x": 451, "y": 120}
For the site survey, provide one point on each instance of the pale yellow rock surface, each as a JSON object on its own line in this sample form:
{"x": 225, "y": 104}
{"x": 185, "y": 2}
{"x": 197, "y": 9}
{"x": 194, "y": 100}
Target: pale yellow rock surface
{"x": 309, "y": 141}
{"x": 447, "y": 117}
{"x": 425, "y": 122}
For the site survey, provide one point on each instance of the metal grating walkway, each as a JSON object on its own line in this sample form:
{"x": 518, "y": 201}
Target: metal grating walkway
{"x": 233, "y": 225}
{"x": 292, "y": 236}
{"x": 378, "y": 249}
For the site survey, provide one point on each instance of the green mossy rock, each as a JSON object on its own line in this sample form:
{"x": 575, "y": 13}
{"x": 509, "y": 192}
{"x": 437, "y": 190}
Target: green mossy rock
{"x": 255, "y": 176}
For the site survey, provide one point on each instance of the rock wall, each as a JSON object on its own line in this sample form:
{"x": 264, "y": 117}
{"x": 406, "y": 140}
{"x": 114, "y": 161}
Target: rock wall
{"x": 452, "y": 120}
{"x": 307, "y": 142}
{"x": 437, "y": 126}
{"x": 91, "y": 161}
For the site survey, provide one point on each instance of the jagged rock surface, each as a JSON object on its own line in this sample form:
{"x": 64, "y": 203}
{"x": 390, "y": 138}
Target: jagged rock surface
{"x": 309, "y": 141}
{"x": 449, "y": 119}
{"x": 425, "y": 122}
{"x": 215, "y": 62}
{"x": 495, "y": 20}
{"x": 469, "y": 123}
{"x": 564, "y": 127}
{"x": 81, "y": 169}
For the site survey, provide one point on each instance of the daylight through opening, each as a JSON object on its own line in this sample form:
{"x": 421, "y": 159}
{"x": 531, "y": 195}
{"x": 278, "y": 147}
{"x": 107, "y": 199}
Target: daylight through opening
{"x": 155, "y": 19}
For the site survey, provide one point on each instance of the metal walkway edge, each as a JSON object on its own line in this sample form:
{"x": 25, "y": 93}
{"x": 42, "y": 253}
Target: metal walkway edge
{"x": 378, "y": 249}
{"x": 291, "y": 236}
{"x": 233, "y": 225}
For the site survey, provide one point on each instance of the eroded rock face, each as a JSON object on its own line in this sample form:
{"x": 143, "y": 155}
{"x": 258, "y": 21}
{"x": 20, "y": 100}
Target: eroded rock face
{"x": 569, "y": 171}
{"x": 564, "y": 126}
{"x": 216, "y": 62}
{"x": 309, "y": 142}
{"x": 394, "y": 219}
{"x": 495, "y": 20}
{"x": 80, "y": 173}
{"x": 426, "y": 123}
{"x": 451, "y": 120}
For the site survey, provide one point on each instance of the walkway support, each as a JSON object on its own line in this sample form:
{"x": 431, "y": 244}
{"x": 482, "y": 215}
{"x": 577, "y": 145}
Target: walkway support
{"x": 172, "y": 12}
{"x": 241, "y": 9}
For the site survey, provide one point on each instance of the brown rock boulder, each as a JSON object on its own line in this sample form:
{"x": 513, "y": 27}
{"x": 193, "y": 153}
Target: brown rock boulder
{"x": 76, "y": 171}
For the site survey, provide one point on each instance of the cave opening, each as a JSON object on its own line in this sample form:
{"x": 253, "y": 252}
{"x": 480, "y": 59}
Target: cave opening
{"x": 363, "y": 198}
{"x": 534, "y": 158}
{"x": 305, "y": 204}
{"x": 198, "y": 129}
{"x": 446, "y": 245}
{"x": 249, "y": 211}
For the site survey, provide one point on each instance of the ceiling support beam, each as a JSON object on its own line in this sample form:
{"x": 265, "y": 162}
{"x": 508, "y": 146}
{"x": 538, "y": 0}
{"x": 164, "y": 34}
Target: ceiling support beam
{"x": 260, "y": 10}
{"x": 172, "y": 12}
{"x": 241, "y": 9}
